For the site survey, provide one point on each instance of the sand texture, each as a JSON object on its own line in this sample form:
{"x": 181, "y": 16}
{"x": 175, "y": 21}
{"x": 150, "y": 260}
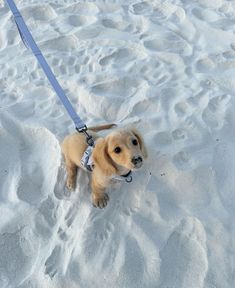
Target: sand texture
{"x": 168, "y": 68}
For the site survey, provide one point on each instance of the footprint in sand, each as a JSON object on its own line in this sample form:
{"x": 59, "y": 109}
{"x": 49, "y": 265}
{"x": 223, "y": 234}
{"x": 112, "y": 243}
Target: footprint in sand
{"x": 182, "y": 160}
{"x": 77, "y": 68}
{"x": 12, "y": 37}
{"x": 70, "y": 24}
{"x": 11, "y": 72}
{"x": 199, "y": 100}
{"x": 48, "y": 210}
{"x": 230, "y": 54}
{"x": 55, "y": 63}
{"x": 71, "y": 215}
{"x": 223, "y": 161}
{"x": 141, "y": 260}
{"x": 207, "y": 15}
{"x": 163, "y": 138}
{"x": 205, "y": 65}
{"x": 89, "y": 32}
{"x": 178, "y": 134}
{"x": 32, "y": 189}
{"x": 121, "y": 57}
{"x": 71, "y": 60}
{"x": 46, "y": 218}
{"x": 154, "y": 72}
{"x": 19, "y": 251}
{"x": 164, "y": 11}
{"x": 119, "y": 25}
{"x": 52, "y": 262}
{"x": 63, "y": 235}
{"x": 60, "y": 190}
{"x": 215, "y": 4}
{"x": 226, "y": 82}
{"x": 215, "y": 63}
{"x": 81, "y": 8}
{"x": 141, "y": 8}
{"x": 63, "y": 44}
{"x": 39, "y": 13}
{"x": 80, "y": 20}
{"x": 1, "y": 41}
{"x": 220, "y": 68}
{"x": 169, "y": 42}
{"x": 104, "y": 232}
{"x": 63, "y": 70}
{"x": 214, "y": 114}
{"x": 116, "y": 87}
{"x": 9, "y": 98}
{"x": 183, "y": 109}
{"x": 184, "y": 256}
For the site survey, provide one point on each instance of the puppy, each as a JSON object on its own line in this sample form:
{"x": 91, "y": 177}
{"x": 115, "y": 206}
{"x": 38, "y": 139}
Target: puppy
{"x": 114, "y": 156}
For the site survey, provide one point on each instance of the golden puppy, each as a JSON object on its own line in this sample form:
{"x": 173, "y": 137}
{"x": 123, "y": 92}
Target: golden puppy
{"x": 116, "y": 155}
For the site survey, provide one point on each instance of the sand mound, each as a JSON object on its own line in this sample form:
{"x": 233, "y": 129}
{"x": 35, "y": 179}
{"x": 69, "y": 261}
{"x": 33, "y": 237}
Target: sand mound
{"x": 27, "y": 178}
{"x": 166, "y": 67}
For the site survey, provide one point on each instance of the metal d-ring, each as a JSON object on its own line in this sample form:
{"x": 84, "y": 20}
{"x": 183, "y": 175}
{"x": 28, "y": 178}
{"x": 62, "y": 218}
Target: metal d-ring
{"x": 129, "y": 179}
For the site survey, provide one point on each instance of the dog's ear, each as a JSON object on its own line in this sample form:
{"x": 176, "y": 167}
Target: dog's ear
{"x": 141, "y": 142}
{"x": 102, "y": 159}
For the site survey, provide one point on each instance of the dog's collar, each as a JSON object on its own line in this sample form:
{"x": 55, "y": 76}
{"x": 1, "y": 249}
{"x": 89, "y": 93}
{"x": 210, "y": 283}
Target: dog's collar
{"x": 126, "y": 177}
{"x": 127, "y": 174}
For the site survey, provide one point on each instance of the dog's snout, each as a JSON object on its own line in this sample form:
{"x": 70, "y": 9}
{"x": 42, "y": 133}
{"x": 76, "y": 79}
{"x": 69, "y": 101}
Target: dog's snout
{"x": 136, "y": 160}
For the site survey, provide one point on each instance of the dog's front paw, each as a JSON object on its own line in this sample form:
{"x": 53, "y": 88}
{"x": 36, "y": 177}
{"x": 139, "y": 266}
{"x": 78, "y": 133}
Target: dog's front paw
{"x": 71, "y": 184}
{"x": 100, "y": 200}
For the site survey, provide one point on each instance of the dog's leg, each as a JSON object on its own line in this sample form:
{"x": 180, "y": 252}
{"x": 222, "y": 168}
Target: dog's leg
{"x": 99, "y": 197}
{"x": 71, "y": 174}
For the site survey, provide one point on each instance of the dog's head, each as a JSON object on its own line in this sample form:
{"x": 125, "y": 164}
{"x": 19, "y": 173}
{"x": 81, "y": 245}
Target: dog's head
{"x": 123, "y": 147}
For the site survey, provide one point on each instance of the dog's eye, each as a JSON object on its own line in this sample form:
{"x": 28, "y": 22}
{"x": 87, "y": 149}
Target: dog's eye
{"x": 135, "y": 142}
{"x": 117, "y": 150}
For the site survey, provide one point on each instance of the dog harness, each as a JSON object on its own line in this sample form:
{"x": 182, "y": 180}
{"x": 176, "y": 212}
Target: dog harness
{"x": 88, "y": 165}
{"x": 86, "y": 161}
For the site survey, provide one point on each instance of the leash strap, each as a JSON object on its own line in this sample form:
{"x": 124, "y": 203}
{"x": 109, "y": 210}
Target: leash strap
{"x": 29, "y": 42}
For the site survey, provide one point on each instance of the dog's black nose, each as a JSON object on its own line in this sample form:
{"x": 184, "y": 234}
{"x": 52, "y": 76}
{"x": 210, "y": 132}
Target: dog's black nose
{"x": 136, "y": 160}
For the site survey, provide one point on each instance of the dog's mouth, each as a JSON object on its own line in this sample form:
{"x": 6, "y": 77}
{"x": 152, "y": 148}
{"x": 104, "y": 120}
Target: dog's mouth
{"x": 138, "y": 165}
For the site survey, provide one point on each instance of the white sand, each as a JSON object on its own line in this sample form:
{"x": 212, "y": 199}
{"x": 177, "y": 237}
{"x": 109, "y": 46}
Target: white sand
{"x": 169, "y": 68}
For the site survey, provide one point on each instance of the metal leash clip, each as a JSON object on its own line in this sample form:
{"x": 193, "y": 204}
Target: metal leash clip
{"x": 89, "y": 139}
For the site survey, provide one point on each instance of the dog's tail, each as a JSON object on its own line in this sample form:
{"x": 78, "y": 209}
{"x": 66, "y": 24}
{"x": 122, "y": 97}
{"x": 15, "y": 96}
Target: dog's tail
{"x": 101, "y": 127}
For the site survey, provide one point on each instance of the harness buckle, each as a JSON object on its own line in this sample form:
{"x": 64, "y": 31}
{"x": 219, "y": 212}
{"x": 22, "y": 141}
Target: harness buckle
{"x": 89, "y": 139}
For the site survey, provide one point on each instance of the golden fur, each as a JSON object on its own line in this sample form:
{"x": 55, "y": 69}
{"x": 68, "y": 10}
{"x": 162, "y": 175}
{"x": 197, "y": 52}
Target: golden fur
{"x": 107, "y": 162}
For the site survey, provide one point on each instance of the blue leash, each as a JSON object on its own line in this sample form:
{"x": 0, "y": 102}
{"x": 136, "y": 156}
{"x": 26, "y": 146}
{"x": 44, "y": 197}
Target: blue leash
{"x": 29, "y": 42}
